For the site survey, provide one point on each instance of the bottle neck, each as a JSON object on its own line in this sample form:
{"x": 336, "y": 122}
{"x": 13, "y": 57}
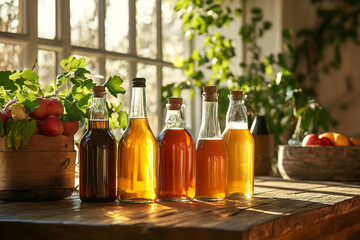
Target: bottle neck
{"x": 210, "y": 126}
{"x": 174, "y": 119}
{"x": 236, "y": 117}
{"x": 98, "y": 115}
{"x": 138, "y": 103}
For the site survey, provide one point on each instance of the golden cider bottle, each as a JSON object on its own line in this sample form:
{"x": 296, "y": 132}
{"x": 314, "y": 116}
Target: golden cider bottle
{"x": 240, "y": 149}
{"x": 137, "y": 152}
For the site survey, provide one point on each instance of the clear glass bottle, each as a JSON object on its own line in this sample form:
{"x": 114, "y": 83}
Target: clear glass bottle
{"x": 240, "y": 148}
{"x": 98, "y": 154}
{"x": 176, "y": 160}
{"x": 211, "y": 160}
{"x": 137, "y": 152}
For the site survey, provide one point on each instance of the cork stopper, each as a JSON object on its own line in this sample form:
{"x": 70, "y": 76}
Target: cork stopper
{"x": 174, "y": 103}
{"x": 236, "y": 95}
{"x": 139, "y": 82}
{"x": 98, "y": 91}
{"x": 210, "y": 94}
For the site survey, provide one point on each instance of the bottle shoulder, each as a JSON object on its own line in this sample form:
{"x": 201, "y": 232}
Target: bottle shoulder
{"x": 97, "y": 136}
{"x": 175, "y": 136}
{"x": 237, "y": 135}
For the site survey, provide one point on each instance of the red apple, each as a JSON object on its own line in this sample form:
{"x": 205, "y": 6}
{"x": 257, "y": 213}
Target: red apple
{"x": 311, "y": 140}
{"x": 41, "y": 111}
{"x": 51, "y": 126}
{"x": 54, "y": 107}
{"x": 326, "y": 141}
{"x": 4, "y": 117}
{"x": 70, "y": 128}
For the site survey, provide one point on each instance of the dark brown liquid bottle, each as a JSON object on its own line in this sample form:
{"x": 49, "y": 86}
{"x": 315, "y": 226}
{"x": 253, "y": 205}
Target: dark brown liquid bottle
{"x": 98, "y": 154}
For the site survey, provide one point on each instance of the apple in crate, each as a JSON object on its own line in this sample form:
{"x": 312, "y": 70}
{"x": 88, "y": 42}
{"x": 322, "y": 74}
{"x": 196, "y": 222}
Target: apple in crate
{"x": 311, "y": 140}
{"x": 15, "y": 111}
{"x": 54, "y": 107}
{"x": 4, "y": 117}
{"x": 51, "y": 126}
{"x": 70, "y": 128}
{"x": 41, "y": 111}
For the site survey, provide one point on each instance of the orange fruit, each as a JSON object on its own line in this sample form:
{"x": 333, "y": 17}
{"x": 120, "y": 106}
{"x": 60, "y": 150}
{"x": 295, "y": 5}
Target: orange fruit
{"x": 340, "y": 140}
{"x": 355, "y": 141}
{"x": 329, "y": 135}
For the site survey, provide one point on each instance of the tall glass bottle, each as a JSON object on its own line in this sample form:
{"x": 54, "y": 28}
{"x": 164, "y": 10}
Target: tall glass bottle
{"x": 176, "y": 160}
{"x": 240, "y": 148}
{"x": 137, "y": 152}
{"x": 211, "y": 160}
{"x": 98, "y": 154}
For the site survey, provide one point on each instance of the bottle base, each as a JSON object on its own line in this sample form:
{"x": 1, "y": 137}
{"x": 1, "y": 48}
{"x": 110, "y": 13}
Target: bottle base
{"x": 234, "y": 196}
{"x": 181, "y": 199}
{"x": 97, "y": 199}
{"x": 136, "y": 201}
{"x": 209, "y": 199}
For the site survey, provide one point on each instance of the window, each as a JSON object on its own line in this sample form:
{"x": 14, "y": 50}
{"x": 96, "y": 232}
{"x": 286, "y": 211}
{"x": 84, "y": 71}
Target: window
{"x": 124, "y": 37}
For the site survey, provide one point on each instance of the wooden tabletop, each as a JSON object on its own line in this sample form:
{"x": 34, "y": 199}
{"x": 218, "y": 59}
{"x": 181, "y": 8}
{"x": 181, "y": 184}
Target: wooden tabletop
{"x": 280, "y": 209}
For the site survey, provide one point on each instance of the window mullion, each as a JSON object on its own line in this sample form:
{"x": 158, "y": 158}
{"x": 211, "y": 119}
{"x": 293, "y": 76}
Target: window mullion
{"x": 101, "y": 35}
{"x": 31, "y": 49}
{"x": 159, "y": 57}
{"x": 63, "y": 29}
{"x": 132, "y": 37}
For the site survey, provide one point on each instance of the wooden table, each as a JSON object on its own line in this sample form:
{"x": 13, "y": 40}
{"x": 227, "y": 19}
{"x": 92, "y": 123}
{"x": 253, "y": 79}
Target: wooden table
{"x": 280, "y": 210}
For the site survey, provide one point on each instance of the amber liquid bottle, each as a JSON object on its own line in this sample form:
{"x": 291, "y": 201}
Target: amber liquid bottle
{"x": 211, "y": 160}
{"x": 240, "y": 148}
{"x": 137, "y": 152}
{"x": 98, "y": 154}
{"x": 176, "y": 160}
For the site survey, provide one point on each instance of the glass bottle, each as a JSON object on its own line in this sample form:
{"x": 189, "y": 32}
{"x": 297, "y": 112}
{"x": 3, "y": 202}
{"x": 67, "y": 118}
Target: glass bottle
{"x": 176, "y": 160}
{"x": 211, "y": 160}
{"x": 137, "y": 152}
{"x": 240, "y": 149}
{"x": 98, "y": 153}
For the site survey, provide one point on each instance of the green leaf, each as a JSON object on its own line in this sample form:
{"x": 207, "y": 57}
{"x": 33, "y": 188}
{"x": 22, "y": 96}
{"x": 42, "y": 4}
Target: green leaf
{"x": 123, "y": 119}
{"x": 2, "y": 129}
{"x": 30, "y": 75}
{"x": 286, "y": 34}
{"x": 6, "y": 82}
{"x": 238, "y": 12}
{"x": 113, "y": 84}
{"x": 19, "y": 132}
{"x": 30, "y": 105}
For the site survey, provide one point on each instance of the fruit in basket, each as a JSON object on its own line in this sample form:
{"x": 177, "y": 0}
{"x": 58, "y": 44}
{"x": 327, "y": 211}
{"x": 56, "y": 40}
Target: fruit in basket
{"x": 51, "y": 126}
{"x": 70, "y": 128}
{"x": 340, "y": 140}
{"x": 4, "y": 117}
{"x": 8, "y": 108}
{"x": 17, "y": 112}
{"x": 355, "y": 141}
{"x": 54, "y": 107}
{"x": 41, "y": 111}
{"x": 311, "y": 140}
{"x": 326, "y": 141}
{"x": 329, "y": 135}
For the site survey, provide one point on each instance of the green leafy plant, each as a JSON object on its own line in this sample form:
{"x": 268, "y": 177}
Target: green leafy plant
{"x": 72, "y": 87}
{"x": 271, "y": 87}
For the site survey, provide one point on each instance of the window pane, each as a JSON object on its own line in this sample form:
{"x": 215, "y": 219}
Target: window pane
{"x": 146, "y": 28}
{"x": 9, "y": 56}
{"x": 120, "y": 68}
{"x": 173, "y": 36}
{"x": 47, "y": 66}
{"x": 117, "y": 25}
{"x": 9, "y": 16}
{"x": 149, "y": 72}
{"x": 172, "y": 75}
{"x": 46, "y": 19}
{"x": 84, "y": 23}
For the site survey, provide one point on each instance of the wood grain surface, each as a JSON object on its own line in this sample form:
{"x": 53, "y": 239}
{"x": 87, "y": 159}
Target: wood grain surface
{"x": 280, "y": 209}
{"x": 329, "y": 163}
{"x": 43, "y": 170}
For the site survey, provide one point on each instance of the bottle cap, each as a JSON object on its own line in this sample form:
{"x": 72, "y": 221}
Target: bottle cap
{"x": 210, "y": 94}
{"x": 139, "y": 82}
{"x": 174, "y": 103}
{"x": 236, "y": 95}
{"x": 98, "y": 91}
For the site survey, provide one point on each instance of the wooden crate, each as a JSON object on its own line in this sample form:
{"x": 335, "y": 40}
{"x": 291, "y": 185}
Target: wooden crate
{"x": 331, "y": 163}
{"x": 43, "y": 170}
